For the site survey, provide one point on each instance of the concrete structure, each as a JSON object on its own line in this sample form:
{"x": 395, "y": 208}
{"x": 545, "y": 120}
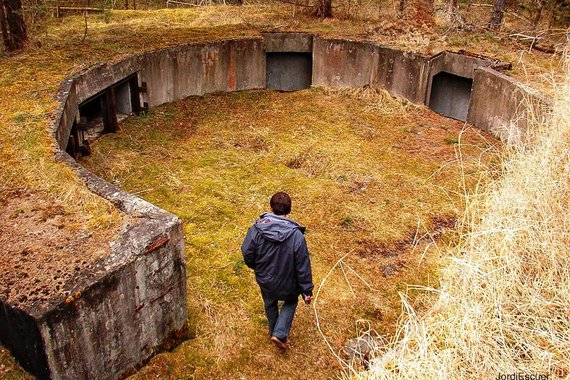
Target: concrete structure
{"x": 126, "y": 307}
{"x": 343, "y": 63}
{"x": 502, "y": 105}
{"x": 450, "y": 81}
{"x": 403, "y": 74}
{"x": 289, "y": 61}
{"x": 132, "y": 303}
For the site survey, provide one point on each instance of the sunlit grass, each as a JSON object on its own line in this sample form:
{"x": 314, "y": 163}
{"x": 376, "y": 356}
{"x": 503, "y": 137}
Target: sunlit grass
{"x": 363, "y": 169}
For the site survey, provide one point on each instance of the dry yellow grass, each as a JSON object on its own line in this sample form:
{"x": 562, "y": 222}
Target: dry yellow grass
{"x": 503, "y": 306}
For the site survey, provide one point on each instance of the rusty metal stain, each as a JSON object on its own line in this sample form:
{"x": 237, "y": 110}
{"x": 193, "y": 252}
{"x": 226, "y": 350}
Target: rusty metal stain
{"x": 232, "y": 70}
{"x": 160, "y": 242}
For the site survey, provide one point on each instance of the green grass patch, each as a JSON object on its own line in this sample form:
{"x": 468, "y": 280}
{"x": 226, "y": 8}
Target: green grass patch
{"x": 359, "y": 182}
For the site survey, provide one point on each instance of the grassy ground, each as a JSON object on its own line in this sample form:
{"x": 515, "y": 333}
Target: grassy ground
{"x": 30, "y": 79}
{"x": 58, "y": 49}
{"x": 363, "y": 170}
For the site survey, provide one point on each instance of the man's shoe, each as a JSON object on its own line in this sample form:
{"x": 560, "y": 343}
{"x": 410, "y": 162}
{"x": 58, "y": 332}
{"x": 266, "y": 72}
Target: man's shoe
{"x": 279, "y": 343}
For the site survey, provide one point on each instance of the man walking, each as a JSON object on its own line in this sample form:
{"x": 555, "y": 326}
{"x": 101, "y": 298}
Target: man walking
{"x": 275, "y": 248}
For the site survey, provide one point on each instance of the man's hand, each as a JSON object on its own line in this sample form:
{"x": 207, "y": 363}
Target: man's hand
{"x": 307, "y": 299}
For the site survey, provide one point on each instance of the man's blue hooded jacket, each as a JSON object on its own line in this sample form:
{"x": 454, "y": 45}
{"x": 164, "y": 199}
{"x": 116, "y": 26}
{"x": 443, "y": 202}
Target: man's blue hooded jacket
{"x": 275, "y": 248}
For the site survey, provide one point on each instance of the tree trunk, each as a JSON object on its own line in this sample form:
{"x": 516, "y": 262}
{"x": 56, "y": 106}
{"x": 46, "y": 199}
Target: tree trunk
{"x": 4, "y": 26}
{"x": 12, "y": 22}
{"x": 538, "y": 13}
{"x": 324, "y": 9}
{"x": 497, "y": 17}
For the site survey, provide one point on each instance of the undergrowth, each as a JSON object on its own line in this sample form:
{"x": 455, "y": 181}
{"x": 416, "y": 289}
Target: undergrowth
{"x": 503, "y": 303}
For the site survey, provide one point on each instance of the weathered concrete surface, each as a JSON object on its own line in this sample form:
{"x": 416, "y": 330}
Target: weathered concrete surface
{"x": 123, "y": 99}
{"x": 341, "y": 63}
{"x": 66, "y": 114}
{"x": 450, "y": 95}
{"x": 453, "y": 97}
{"x": 288, "y": 42}
{"x": 100, "y": 77}
{"x": 204, "y": 68}
{"x": 402, "y": 74}
{"x": 344, "y": 63}
{"x": 461, "y": 65}
{"x": 130, "y": 305}
{"x": 126, "y": 307}
{"x": 289, "y": 71}
{"x": 458, "y": 64}
{"x": 503, "y": 105}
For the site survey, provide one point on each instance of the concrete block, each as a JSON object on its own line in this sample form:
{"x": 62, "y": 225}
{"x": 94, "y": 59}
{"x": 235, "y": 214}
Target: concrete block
{"x": 125, "y": 307}
{"x": 344, "y": 63}
{"x": 288, "y": 42}
{"x": 458, "y": 64}
{"x": 402, "y": 74}
{"x": 502, "y": 105}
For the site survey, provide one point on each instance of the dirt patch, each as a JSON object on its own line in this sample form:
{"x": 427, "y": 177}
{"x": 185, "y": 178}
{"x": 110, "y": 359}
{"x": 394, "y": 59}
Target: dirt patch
{"x": 376, "y": 248}
{"x": 392, "y": 269}
{"x": 43, "y": 248}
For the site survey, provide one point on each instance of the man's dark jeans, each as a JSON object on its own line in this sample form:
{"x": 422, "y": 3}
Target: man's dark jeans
{"x": 279, "y": 320}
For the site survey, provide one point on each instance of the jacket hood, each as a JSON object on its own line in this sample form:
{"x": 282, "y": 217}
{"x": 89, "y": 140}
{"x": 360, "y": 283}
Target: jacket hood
{"x": 276, "y": 228}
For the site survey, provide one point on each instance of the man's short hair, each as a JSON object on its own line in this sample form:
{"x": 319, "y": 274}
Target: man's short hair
{"x": 280, "y": 203}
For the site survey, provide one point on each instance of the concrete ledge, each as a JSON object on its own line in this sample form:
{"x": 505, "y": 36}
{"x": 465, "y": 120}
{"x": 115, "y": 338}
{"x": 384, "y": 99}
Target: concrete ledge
{"x": 288, "y": 42}
{"x": 503, "y": 105}
{"x": 125, "y": 307}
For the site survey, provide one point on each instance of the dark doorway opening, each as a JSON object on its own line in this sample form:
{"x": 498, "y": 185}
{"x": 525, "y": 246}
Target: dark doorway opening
{"x": 289, "y": 71}
{"x": 78, "y": 145}
{"x": 95, "y": 114}
{"x": 450, "y": 95}
{"x": 102, "y": 112}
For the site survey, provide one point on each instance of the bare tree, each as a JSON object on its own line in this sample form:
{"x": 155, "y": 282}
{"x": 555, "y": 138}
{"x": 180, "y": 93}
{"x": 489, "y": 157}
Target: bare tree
{"x": 538, "y": 14}
{"x": 497, "y": 17}
{"x": 12, "y": 24}
{"x": 324, "y": 8}
{"x": 4, "y": 26}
